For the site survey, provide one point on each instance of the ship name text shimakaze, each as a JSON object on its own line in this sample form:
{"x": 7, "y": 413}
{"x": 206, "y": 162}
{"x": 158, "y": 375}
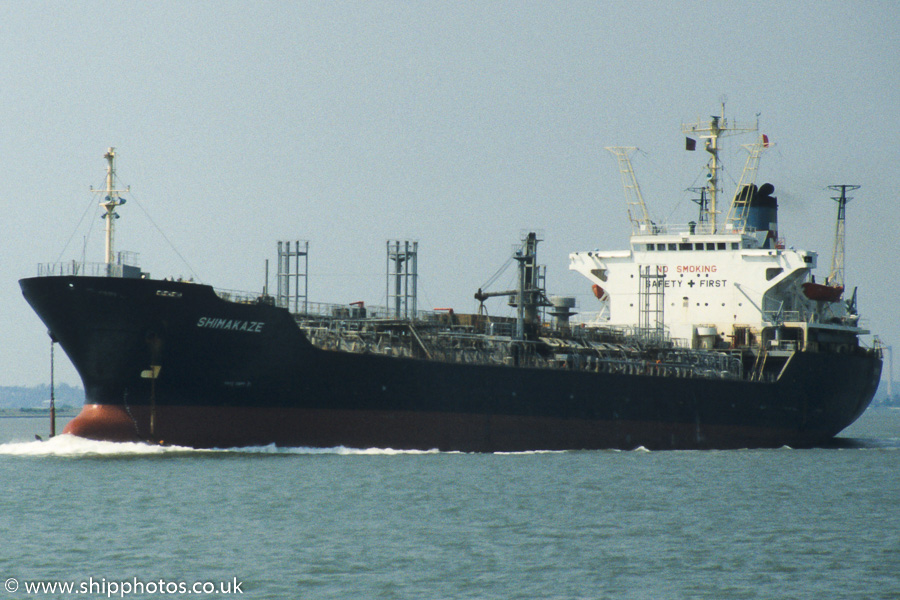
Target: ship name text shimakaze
{"x": 230, "y": 324}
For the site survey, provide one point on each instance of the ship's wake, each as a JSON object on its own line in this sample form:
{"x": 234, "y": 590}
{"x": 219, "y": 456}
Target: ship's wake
{"x": 66, "y": 445}
{"x": 71, "y": 446}
{"x": 338, "y": 450}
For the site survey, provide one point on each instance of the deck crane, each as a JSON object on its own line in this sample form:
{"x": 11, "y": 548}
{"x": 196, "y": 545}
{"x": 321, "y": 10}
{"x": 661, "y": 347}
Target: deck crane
{"x": 634, "y": 201}
{"x": 736, "y": 220}
{"x": 529, "y": 295}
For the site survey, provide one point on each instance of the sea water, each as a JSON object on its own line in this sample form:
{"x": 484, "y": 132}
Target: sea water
{"x": 141, "y": 521}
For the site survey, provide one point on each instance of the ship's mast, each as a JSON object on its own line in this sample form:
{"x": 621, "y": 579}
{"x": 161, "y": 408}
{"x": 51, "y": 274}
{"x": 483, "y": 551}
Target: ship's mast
{"x": 703, "y": 203}
{"x": 836, "y": 278}
{"x": 111, "y": 200}
{"x": 711, "y": 131}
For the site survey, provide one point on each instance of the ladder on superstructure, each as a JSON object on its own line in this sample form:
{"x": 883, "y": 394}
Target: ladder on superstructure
{"x": 651, "y": 303}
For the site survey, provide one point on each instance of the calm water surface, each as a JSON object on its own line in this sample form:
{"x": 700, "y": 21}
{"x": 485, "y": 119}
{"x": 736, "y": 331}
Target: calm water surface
{"x": 302, "y": 523}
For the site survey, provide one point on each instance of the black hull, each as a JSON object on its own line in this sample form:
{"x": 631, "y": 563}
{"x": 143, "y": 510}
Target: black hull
{"x": 243, "y": 374}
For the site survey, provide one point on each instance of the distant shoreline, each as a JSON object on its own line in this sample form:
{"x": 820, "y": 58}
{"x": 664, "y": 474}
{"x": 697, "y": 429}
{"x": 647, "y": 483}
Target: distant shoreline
{"x": 36, "y": 413}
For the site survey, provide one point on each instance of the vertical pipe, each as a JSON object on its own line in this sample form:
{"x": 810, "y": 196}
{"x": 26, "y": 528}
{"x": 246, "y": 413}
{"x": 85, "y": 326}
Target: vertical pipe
{"x": 52, "y": 393}
{"x": 153, "y": 403}
{"x": 287, "y": 275}
{"x": 890, "y": 389}
{"x": 520, "y": 299}
{"x": 415, "y": 278}
{"x": 397, "y": 281}
{"x": 305, "y": 275}
{"x": 406, "y": 279}
{"x": 110, "y": 206}
{"x": 387, "y": 275}
{"x": 297, "y": 276}
{"x": 278, "y": 278}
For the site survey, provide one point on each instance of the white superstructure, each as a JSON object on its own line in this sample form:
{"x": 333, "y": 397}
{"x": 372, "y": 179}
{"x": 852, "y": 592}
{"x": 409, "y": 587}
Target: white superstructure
{"x": 709, "y": 286}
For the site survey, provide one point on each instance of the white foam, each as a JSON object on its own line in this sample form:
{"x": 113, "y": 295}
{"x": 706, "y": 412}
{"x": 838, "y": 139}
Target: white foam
{"x": 339, "y": 450}
{"x": 74, "y": 446}
{"x": 524, "y": 452}
{"x": 67, "y": 445}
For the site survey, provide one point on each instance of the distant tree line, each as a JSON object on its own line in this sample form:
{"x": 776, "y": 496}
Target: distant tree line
{"x": 39, "y": 396}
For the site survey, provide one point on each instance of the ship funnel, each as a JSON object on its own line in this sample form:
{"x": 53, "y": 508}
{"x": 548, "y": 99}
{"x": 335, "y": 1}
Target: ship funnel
{"x": 763, "y": 212}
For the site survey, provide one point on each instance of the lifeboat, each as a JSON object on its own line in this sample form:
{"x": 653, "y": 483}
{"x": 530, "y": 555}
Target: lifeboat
{"x": 598, "y": 291}
{"x": 822, "y": 293}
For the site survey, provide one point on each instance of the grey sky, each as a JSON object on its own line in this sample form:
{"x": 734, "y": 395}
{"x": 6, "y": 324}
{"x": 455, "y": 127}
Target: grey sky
{"x": 456, "y": 124}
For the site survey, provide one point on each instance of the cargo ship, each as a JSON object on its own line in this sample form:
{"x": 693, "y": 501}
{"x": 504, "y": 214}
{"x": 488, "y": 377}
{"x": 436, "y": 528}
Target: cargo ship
{"x": 708, "y": 335}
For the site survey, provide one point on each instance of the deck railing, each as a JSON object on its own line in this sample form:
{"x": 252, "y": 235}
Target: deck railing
{"x": 75, "y": 268}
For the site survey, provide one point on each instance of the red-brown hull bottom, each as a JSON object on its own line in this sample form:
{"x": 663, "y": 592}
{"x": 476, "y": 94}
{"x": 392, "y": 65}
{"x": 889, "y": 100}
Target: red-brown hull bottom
{"x": 205, "y": 427}
{"x": 103, "y": 422}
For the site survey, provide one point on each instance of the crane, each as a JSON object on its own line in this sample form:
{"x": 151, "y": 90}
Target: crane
{"x": 634, "y": 201}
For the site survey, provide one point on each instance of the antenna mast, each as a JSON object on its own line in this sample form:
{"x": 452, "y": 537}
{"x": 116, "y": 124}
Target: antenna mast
{"x": 711, "y": 131}
{"x": 109, "y": 203}
{"x": 703, "y": 203}
{"x": 836, "y": 278}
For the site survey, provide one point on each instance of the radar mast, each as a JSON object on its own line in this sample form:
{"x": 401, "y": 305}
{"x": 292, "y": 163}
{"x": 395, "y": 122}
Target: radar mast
{"x": 836, "y": 277}
{"x": 718, "y": 126}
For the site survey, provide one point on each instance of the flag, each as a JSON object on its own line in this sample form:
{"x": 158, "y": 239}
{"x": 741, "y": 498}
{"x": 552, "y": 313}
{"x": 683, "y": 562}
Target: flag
{"x": 690, "y": 144}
